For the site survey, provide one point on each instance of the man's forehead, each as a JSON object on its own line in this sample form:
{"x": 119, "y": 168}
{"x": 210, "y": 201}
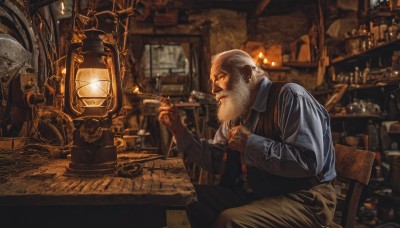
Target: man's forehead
{"x": 215, "y": 72}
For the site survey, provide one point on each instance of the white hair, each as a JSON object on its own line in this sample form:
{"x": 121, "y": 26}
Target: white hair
{"x": 233, "y": 61}
{"x": 238, "y": 94}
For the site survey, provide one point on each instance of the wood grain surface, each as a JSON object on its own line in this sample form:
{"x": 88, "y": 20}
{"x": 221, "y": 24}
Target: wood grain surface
{"x": 164, "y": 182}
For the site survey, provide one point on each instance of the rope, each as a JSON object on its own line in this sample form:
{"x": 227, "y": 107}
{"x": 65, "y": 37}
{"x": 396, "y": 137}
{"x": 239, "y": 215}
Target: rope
{"x": 129, "y": 169}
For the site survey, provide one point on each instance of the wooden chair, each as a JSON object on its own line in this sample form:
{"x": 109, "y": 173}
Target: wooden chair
{"x": 354, "y": 167}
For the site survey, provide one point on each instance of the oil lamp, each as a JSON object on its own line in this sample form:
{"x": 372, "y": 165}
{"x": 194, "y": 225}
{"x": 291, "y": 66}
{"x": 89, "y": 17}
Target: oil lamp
{"x": 93, "y": 95}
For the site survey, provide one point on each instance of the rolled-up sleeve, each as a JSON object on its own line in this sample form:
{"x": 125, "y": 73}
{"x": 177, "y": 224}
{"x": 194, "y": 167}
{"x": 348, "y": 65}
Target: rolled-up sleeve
{"x": 205, "y": 153}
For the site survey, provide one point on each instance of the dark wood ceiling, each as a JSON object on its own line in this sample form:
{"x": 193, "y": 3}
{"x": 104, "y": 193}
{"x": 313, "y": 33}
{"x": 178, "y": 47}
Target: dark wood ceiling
{"x": 253, "y": 7}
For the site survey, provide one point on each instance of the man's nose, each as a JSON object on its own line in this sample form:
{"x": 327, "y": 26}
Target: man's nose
{"x": 215, "y": 88}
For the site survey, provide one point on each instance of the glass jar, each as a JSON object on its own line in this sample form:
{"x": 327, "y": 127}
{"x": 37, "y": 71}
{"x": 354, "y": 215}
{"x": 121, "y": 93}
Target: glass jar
{"x": 396, "y": 62}
{"x": 393, "y": 30}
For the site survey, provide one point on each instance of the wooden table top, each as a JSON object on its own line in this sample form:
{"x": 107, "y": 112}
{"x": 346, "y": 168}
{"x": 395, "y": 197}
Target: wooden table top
{"x": 164, "y": 182}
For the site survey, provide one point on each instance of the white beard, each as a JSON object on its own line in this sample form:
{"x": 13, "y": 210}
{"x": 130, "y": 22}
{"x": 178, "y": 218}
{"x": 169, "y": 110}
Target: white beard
{"x": 235, "y": 102}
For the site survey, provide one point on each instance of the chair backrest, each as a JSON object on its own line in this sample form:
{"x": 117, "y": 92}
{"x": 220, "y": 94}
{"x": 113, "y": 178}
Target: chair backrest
{"x": 354, "y": 166}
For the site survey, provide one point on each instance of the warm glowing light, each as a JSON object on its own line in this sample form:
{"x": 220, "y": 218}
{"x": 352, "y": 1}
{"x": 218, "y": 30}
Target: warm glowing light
{"x": 62, "y": 8}
{"x": 95, "y": 86}
{"x": 260, "y": 55}
{"x": 136, "y": 90}
{"x": 265, "y": 61}
{"x": 92, "y": 85}
{"x": 273, "y": 64}
{"x": 64, "y": 71}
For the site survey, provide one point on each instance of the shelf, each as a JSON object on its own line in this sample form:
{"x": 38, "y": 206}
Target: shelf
{"x": 301, "y": 64}
{"x": 390, "y": 46}
{"x": 282, "y": 68}
{"x": 321, "y": 93}
{"x": 356, "y": 116}
{"x": 379, "y": 14}
{"x": 376, "y": 84}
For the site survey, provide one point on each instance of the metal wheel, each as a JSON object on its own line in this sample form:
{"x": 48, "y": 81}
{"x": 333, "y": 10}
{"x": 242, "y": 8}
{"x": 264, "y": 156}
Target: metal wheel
{"x": 52, "y": 127}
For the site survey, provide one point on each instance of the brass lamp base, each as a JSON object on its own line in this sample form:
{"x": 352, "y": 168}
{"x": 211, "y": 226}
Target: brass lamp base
{"x": 91, "y": 158}
{"x": 92, "y": 169}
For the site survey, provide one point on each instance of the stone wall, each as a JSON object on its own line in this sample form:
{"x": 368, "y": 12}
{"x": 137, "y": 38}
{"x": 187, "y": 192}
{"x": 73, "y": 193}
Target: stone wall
{"x": 283, "y": 29}
{"x": 229, "y": 29}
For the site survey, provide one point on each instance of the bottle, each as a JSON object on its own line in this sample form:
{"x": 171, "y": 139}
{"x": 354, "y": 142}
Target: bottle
{"x": 357, "y": 74}
{"x": 363, "y": 33}
{"x": 373, "y": 136}
{"x": 332, "y": 73}
{"x": 365, "y": 74}
{"x": 393, "y": 30}
{"x": 370, "y": 42}
{"x": 362, "y": 30}
{"x": 396, "y": 60}
{"x": 351, "y": 79}
{"x": 383, "y": 34}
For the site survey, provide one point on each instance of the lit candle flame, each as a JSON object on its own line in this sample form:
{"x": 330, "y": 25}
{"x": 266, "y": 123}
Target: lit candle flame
{"x": 64, "y": 71}
{"x": 273, "y": 64}
{"x": 260, "y": 55}
{"x": 62, "y": 8}
{"x": 136, "y": 90}
{"x": 265, "y": 61}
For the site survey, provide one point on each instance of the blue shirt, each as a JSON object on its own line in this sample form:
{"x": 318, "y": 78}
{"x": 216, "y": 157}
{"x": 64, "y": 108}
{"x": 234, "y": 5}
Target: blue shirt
{"x": 306, "y": 148}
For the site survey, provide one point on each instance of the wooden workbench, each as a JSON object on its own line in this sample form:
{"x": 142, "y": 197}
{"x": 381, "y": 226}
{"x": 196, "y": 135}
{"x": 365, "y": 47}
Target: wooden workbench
{"x": 47, "y": 189}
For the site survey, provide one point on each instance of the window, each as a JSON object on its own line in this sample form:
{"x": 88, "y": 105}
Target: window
{"x": 165, "y": 60}
{"x": 167, "y": 68}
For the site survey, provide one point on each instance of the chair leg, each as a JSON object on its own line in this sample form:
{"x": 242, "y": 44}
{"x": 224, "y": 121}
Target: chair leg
{"x": 170, "y": 149}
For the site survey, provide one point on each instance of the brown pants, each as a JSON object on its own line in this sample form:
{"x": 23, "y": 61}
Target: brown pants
{"x": 218, "y": 206}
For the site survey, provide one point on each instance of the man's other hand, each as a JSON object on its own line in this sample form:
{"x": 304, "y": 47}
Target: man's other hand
{"x": 237, "y": 138}
{"x": 169, "y": 115}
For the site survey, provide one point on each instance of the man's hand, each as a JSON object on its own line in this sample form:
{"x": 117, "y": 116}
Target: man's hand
{"x": 170, "y": 116}
{"x": 237, "y": 138}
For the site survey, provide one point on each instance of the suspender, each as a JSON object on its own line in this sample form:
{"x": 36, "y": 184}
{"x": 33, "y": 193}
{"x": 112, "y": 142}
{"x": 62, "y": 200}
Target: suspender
{"x": 231, "y": 167}
{"x": 263, "y": 183}
{"x": 268, "y": 121}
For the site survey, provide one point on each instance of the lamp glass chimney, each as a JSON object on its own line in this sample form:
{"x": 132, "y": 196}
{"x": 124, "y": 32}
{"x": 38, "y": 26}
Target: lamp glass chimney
{"x": 93, "y": 85}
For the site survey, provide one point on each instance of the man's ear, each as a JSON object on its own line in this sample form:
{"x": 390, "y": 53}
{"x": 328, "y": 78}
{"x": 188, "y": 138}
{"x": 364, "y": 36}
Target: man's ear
{"x": 247, "y": 73}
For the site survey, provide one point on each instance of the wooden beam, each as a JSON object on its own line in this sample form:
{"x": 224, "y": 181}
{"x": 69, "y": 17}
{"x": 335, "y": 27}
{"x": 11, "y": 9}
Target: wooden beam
{"x": 238, "y": 5}
{"x": 323, "y": 52}
{"x": 260, "y": 7}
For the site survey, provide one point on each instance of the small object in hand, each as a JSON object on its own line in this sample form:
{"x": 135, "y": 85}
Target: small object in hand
{"x": 165, "y": 101}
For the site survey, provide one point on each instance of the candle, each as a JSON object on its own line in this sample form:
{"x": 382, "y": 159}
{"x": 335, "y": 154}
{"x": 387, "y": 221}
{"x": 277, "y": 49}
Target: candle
{"x": 260, "y": 58}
